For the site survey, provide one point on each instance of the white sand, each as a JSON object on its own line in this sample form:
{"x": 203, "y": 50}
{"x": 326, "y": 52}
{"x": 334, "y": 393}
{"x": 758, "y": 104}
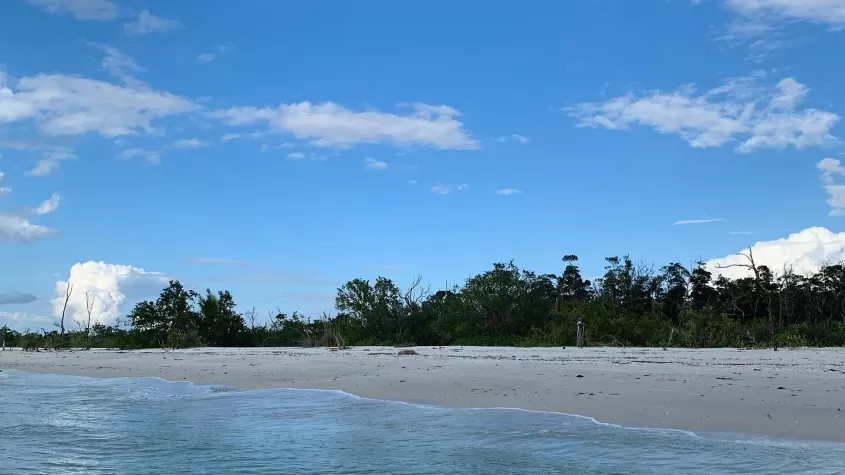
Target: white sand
{"x": 789, "y": 393}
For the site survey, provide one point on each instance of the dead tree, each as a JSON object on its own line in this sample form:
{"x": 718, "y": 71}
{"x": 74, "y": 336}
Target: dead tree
{"x": 89, "y": 308}
{"x": 758, "y": 282}
{"x": 413, "y": 298}
{"x": 68, "y": 291}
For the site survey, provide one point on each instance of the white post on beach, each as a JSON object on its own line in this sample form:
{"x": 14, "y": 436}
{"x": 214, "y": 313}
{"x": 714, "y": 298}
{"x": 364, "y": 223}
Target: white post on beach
{"x": 580, "y": 334}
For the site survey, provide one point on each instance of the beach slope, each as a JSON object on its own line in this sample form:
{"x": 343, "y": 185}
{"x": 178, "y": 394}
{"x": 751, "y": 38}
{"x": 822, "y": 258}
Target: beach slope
{"x": 789, "y": 393}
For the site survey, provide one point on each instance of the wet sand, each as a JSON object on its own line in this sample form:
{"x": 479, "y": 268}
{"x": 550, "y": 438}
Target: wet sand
{"x": 789, "y": 393}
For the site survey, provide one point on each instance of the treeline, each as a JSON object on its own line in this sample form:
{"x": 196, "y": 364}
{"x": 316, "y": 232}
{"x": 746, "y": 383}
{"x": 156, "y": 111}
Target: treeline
{"x": 630, "y": 305}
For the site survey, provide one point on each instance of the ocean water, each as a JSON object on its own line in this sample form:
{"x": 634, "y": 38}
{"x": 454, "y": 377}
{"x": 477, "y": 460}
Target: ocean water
{"x": 72, "y": 425}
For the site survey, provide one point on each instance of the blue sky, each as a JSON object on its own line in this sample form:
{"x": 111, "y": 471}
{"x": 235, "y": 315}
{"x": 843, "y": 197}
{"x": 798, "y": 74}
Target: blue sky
{"x": 278, "y": 149}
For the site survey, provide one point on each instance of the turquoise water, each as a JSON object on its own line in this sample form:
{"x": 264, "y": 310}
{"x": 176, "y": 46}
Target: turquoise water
{"x": 71, "y": 425}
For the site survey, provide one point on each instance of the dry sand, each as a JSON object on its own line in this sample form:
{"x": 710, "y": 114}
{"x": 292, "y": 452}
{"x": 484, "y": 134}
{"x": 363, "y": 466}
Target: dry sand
{"x": 789, "y": 393}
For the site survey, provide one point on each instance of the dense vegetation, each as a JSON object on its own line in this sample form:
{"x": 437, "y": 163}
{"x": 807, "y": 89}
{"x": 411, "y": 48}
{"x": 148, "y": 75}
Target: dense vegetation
{"x": 630, "y": 305}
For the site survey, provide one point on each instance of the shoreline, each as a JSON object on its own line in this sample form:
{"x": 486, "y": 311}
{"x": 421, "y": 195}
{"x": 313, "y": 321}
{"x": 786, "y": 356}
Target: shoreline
{"x": 794, "y": 394}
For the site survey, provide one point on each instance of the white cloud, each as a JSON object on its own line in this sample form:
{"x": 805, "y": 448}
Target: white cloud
{"x": 152, "y": 156}
{"x": 101, "y": 10}
{"x": 119, "y": 65}
{"x": 246, "y": 135}
{"x": 22, "y": 321}
{"x": 513, "y": 138}
{"x": 740, "y": 233}
{"x": 296, "y": 155}
{"x": 508, "y": 191}
{"x": 111, "y": 285}
{"x": 4, "y": 190}
{"x": 829, "y": 169}
{"x": 148, "y": 23}
{"x": 441, "y": 189}
{"x": 19, "y": 230}
{"x": 48, "y": 206}
{"x": 696, "y": 221}
{"x": 332, "y": 125}
{"x": 50, "y": 162}
{"x": 805, "y": 251}
{"x": 68, "y": 105}
{"x": 831, "y": 12}
{"x": 373, "y": 164}
{"x": 206, "y": 58}
{"x": 188, "y": 143}
{"x": 739, "y": 110}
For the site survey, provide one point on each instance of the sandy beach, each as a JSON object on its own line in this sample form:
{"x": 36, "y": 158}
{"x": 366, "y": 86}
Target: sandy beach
{"x": 789, "y": 393}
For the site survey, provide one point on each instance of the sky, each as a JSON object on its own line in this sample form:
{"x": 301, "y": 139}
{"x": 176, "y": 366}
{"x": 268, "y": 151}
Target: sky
{"x": 279, "y": 149}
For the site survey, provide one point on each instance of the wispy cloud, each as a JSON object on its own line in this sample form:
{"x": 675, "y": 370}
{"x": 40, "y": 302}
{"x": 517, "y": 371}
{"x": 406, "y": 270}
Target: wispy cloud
{"x": 332, "y": 125}
{"x": 243, "y": 135}
{"x": 62, "y": 105}
{"x": 373, "y": 164}
{"x": 830, "y": 169}
{"x": 740, "y": 233}
{"x": 513, "y": 138}
{"x": 296, "y": 155}
{"x": 120, "y": 65}
{"x": 4, "y": 190}
{"x": 830, "y": 12}
{"x": 50, "y": 162}
{"x": 152, "y": 156}
{"x": 205, "y": 58}
{"x": 99, "y": 10}
{"x": 147, "y": 23}
{"x": 738, "y": 110}
{"x": 696, "y": 221}
{"x": 48, "y": 206}
{"x": 189, "y": 143}
{"x": 442, "y": 189}
{"x": 508, "y": 191}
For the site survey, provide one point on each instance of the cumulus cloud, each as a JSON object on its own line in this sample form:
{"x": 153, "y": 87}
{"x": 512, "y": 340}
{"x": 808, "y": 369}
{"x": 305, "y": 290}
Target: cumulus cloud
{"x": 830, "y": 169}
{"x": 508, "y": 191}
{"x": 373, "y": 164}
{"x": 20, "y": 298}
{"x": 332, "y": 125}
{"x": 22, "y": 321}
{"x": 110, "y": 285}
{"x": 442, "y": 189}
{"x": 738, "y": 110}
{"x": 147, "y": 23}
{"x": 50, "y": 162}
{"x": 805, "y": 252}
{"x": 100, "y": 10}
{"x": 696, "y": 221}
